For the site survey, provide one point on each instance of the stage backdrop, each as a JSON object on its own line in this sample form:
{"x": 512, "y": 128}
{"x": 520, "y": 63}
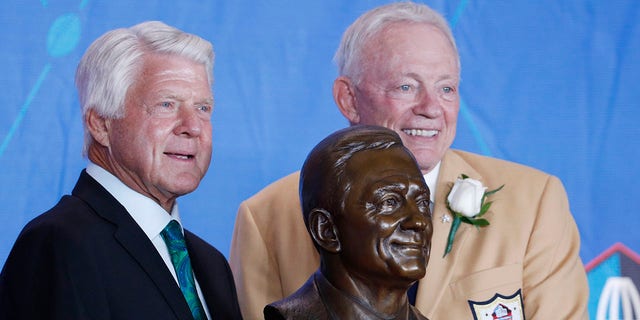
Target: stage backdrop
{"x": 550, "y": 84}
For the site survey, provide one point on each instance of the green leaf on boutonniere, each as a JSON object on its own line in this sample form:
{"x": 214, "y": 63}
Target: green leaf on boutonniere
{"x": 488, "y": 193}
{"x": 484, "y": 209}
{"x": 475, "y": 222}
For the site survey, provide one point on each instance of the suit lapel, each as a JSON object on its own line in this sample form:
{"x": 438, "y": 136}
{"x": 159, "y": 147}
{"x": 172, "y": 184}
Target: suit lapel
{"x": 133, "y": 240}
{"x": 439, "y": 269}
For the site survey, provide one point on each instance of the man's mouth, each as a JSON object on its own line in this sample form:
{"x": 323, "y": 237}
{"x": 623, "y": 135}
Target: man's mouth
{"x": 180, "y": 155}
{"x": 410, "y": 246}
{"x": 420, "y": 132}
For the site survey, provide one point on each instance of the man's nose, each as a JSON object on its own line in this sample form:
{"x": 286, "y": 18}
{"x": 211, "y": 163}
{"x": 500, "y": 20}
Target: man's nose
{"x": 428, "y": 105}
{"x": 189, "y": 122}
{"x": 416, "y": 221}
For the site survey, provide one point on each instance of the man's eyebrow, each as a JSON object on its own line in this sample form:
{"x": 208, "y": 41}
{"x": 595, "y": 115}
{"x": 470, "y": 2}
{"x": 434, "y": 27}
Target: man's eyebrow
{"x": 173, "y": 96}
{"x": 414, "y": 75}
{"x": 208, "y": 101}
{"x": 159, "y": 95}
{"x": 392, "y": 187}
{"x": 448, "y": 77}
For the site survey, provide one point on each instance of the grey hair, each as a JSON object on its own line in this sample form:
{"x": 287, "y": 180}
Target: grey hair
{"x": 112, "y": 63}
{"x": 348, "y": 56}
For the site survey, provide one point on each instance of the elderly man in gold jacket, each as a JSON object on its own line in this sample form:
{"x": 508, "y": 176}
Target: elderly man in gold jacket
{"x": 399, "y": 68}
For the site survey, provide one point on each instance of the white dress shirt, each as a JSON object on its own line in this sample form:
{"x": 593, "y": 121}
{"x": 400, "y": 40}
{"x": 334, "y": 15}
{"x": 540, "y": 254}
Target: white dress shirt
{"x": 147, "y": 213}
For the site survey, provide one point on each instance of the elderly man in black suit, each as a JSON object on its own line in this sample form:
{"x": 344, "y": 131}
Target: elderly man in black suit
{"x": 115, "y": 248}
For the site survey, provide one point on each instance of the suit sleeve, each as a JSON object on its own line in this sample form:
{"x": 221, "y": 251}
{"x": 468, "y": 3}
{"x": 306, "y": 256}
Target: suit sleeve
{"x": 256, "y": 276}
{"x": 555, "y": 284}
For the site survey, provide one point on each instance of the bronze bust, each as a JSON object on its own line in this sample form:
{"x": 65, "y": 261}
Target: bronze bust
{"x": 366, "y": 206}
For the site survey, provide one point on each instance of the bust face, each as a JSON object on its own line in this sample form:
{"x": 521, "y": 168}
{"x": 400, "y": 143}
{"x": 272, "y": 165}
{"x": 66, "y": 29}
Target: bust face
{"x": 385, "y": 229}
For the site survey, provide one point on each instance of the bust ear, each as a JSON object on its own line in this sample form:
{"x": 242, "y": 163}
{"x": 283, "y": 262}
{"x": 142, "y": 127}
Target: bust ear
{"x": 323, "y": 230}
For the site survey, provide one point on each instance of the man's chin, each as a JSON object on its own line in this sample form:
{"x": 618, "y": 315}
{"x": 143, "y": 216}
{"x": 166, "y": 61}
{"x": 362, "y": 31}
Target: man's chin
{"x": 183, "y": 184}
{"x": 413, "y": 272}
{"x": 426, "y": 158}
{"x": 411, "y": 267}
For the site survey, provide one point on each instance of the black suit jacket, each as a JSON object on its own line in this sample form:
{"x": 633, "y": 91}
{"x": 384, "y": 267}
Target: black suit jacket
{"x": 87, "y": 258}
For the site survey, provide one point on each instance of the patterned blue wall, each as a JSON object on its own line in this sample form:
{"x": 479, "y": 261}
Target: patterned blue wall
{"x": 551, "y": 84}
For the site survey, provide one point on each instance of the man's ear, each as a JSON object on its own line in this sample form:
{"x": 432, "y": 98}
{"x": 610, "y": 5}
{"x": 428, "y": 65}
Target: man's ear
{"x": 345, "y": 97}
{"x": 98, "y": 127}
{"x": 323, "y": 230}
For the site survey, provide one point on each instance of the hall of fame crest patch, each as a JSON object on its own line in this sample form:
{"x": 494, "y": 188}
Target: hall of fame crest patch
{"x": 499, "y": 308}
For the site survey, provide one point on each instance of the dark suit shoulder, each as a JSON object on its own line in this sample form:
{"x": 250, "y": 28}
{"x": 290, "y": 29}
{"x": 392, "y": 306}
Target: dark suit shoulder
{"x": 50, "y": 250}
{"x": 70, "y": 221}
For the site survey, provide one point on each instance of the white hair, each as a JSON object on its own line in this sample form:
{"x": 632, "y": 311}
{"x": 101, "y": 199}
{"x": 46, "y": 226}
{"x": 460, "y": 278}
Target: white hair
{"x": 113, "y": 62}
{"x": 348, "y": 56}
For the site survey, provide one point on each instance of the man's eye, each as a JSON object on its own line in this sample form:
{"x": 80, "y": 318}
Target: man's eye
{"x": 204, "y": 108}
{"x": 423, "y": 205}
{"x": 389, "y": 203}
{"x": 164, "y": 107}
{"x": 449, "y": 93}
{"x": 448, "y": 90}
{"x": 405, "y": 87}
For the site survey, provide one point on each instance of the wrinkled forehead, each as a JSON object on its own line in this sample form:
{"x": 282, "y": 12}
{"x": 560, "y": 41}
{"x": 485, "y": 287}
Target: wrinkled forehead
{"x": 399, "y": 39}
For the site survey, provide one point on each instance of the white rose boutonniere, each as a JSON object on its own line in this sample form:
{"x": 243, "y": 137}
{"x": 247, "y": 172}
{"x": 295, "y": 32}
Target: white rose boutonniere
{"x": 467, "y": 202}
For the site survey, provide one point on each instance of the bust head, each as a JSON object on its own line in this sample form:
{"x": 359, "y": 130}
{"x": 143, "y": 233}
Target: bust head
{"x": 366, "y": 206}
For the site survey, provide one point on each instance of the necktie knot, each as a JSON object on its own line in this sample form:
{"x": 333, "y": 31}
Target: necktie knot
{"x": 173, "y": 237}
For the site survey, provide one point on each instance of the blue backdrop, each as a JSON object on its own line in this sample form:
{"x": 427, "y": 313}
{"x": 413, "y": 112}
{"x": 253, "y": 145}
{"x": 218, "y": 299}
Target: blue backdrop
{"x": 550, "y": 84}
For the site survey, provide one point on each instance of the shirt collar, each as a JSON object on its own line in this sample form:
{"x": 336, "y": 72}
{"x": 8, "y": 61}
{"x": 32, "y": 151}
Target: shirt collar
{"x": 147, "y": 213}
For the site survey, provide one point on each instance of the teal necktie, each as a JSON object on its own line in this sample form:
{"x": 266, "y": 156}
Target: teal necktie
{"x": 172, "y": 235}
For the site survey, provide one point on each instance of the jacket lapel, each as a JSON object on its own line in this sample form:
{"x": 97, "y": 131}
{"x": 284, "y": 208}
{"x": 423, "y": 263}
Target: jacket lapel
{"x": 133, "y": 240}
{"x": 439, "y": 269}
